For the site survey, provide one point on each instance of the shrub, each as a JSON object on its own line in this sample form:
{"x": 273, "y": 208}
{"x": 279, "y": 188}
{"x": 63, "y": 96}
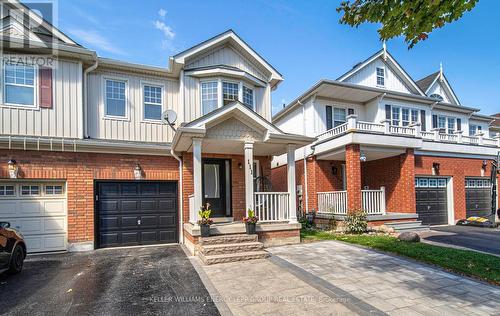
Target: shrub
{"x": 356, "y": 223}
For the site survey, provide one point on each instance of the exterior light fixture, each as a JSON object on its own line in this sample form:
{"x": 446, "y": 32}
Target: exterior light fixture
{"x": 138, "y": 172}
{"x": 362, "y": 157}
{"x": 240, "y": 165}
{"x": 13, "y": 169}
{"x": 334, "y": 170}
{"x": 485, "y": 164}
{"x": 435, "y": 167}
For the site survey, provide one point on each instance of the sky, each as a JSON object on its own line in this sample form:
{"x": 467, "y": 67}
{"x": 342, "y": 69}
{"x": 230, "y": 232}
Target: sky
{"x": 302, "y": 39}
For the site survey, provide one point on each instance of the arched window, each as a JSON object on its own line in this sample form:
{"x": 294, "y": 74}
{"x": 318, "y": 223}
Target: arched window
{"x": 436, "y": 96}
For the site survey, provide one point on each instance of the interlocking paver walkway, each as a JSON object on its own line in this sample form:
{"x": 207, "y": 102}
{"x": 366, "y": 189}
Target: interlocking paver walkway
{"x": 391, "y": 284}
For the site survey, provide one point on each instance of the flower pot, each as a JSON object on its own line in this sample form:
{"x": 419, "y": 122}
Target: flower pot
{"x": 205, "y": 230}
{"x": 250, "y": 228}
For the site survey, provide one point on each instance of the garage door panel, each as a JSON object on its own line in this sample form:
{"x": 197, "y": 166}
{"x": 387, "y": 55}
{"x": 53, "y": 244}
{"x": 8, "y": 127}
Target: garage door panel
{"x": 8, "y": 208}
{"x": 478, "y": 197}
{"x": 431, "y": 202}
{"x": 30, "y": 208}
{"x": 109, "y": 222}
{"x": 144, "y": 201}
{"x": 109, "y": 190}
{"x": 42, "y": 243}
{"x": 108, "y": 206}
{"x": 52, "y": 208}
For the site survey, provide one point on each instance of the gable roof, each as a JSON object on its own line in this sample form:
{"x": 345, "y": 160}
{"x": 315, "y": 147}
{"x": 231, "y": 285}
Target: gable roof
{"x": 395, "y": 66}
{"x": 427, "y": 82}
{"x": 496, "y": 122}
{"x": 229, "y": 36}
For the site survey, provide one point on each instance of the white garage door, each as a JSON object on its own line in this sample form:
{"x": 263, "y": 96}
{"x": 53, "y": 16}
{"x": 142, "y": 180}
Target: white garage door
{"x": 38, "y": 210}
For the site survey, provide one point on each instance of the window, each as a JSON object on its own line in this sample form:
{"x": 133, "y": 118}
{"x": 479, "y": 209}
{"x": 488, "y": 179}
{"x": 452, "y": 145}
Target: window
{"x": 152, "y": 102}
{"x": 451, "y": 125}
{"x": 395, "y": 116}
{"x": 229, "y": 92}
{"x": 436, "y": 96}
{"x": 248, "y": 97}
{"x": 405, "y": 114}
{"x": 414, "y": 116}
{"x": 30, "y": 190}
{"x": 19, "y": 86}
{"x": 433, "y": 183}
{"x": 474, "y": 129}
{"x": 212, "y": 182}
{"x": 53, "y": 189}
{"x": 380, "y": 77}
{"x": 442, "y": 183}
{"x": 7, "y": 190}
{"x": 115, "y": 98}
{"x": 339, "y": 116}
{"x": 209, "y": 96}
{"x": 442, "y": 122}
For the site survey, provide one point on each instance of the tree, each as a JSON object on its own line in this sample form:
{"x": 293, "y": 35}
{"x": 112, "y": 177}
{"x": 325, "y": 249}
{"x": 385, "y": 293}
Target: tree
{"x": 413, "y": 19}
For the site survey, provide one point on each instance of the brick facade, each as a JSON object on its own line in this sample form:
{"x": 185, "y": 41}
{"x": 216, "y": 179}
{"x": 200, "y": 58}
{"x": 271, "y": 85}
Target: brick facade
{"x": 80, "y": 170}
{"x": 353, "y": 175}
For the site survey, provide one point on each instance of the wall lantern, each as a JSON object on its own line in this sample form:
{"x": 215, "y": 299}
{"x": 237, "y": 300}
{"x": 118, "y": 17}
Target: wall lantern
{"x": 13, "y": 169}
{"x": 485, "y": 164}
{"x": 435, "y": 167}
{"x": 138, "y": 172}
{"x": 362, "y": 157}
{"x": 240, "y": 165}
{"x": 334, "y": 170}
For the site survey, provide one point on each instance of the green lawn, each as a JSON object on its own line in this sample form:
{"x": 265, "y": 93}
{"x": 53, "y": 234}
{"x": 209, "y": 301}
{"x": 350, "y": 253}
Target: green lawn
{"x": 470, "y": 263}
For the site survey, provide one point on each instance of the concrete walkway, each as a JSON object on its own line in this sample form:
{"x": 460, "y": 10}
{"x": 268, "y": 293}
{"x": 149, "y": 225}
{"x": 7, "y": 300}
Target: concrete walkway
{"x": 391, "y": 284}
{"x": 333, "y": 278}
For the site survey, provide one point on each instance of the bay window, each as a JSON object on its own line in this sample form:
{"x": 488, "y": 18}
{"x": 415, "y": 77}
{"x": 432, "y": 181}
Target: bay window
{"x": 229, "y": 92}
{"x": 248, "y": 97}
{"x": 209, "y": 96}
{"x": 19, "y": 85}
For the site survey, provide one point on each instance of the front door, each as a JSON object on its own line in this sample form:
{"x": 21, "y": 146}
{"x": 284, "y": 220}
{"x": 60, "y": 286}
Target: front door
{"x": 217, "y": 185}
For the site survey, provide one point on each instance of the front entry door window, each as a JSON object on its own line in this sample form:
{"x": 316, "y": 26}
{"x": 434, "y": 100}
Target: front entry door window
{"x": 216, "y": 186}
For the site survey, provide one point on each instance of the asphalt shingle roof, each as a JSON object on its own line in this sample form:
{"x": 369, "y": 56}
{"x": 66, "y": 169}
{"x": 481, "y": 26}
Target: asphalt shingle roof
{"x": 424, "y": 83}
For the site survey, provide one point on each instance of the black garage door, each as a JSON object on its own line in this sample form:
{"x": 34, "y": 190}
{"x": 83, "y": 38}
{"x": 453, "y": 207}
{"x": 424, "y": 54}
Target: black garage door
{"x": 478, "y": 197}
{"x": 432, "y": 201}
{"x": 136, "y": 213}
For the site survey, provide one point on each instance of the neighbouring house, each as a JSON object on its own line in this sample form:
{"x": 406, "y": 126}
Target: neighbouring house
{"x": 399, "y": 149}
{"x": 87, "y": 159}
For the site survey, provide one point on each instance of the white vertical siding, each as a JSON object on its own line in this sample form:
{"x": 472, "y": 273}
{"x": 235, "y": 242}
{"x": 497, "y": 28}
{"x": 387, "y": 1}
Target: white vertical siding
{"x": 134, "y": 128}
{"x": 62, "y": 120}
{"x": 229, "y": 56}
{"x": 437, "y": 88}
{"x": 368, "y": 77}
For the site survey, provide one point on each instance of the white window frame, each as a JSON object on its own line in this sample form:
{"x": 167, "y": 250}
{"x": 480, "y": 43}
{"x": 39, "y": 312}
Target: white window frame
{"x": 243, "y": 85}
{"x": 476, "y": 127}
{"x": 446, "y": 123}
{"x": 400, "y": 116}
{"x": 152, "y": 84}
{"x": 218, "y": 85}
{"x": 104, "y": 96}
{"x": 53, "y": 185}
{"x": 238, "y": 94}
{"x": 4, "y": 190}
{"x": 40, "y": 188}
{"x": 35, "y": 88}
{"x": 377, "y": 76}
{"x": 346, "y": 111}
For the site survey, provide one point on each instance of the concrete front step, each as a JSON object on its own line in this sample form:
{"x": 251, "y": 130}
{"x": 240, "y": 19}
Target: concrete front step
{"x": 228, "y": 239}
{"x": 219, "y": 249}
{"x": 233, "y": 257}
{"x": 408, "y": 226}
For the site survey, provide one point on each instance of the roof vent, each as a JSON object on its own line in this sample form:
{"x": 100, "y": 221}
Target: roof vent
{"x": 356, "y": 65}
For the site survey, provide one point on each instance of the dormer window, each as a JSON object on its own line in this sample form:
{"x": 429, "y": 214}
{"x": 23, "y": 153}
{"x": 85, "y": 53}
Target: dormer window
{"x": 209, "y": 99}
{"x": 248, "y": 97}
{"x": 229, "y": 92}
{"x": 436, "y": 96}
{"x": 380, "y": 77}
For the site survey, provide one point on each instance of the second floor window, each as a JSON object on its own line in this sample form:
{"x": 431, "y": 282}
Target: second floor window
{"x": 380, "y": 76}
{"x": 152, "y": 102}
{"x": 474, "y": 129}
{"x": 395, "y": 116}
{"x": 339, "y": 117}
{"x": 115, "y": 98}
{"x": 229, "y": 92}
{"x": 209, "y": 99}
{"x": 451, "y": 125}
{"x": 248, "y": 97}
{"x": 19, "y": 86}
{"x": 404, "y": 116}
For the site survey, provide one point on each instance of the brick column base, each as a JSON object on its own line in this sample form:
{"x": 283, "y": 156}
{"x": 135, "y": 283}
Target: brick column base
{"x": 353, "y": 175}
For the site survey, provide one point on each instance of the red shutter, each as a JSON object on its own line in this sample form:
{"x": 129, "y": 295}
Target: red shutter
{"x": 45, "y": 87}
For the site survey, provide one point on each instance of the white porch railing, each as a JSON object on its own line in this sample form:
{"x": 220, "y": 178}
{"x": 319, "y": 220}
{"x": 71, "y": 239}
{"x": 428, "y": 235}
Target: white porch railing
{"x": 373, "y": 201}
{"x": 332, "y": 202}
{"x": 193, "y": 215}
{"x": 436, "y": 135}
{"x": 335, "y": 202}
{"x": 272, "y": 206}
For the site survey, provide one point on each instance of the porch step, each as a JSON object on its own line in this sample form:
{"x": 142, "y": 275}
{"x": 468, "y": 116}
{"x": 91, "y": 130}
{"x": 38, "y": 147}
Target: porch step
{"x": 228, "y": 239}
{"x": 408, "y": 226}
{"x": 219, "y": 249}
{"x": 233, "y": 257}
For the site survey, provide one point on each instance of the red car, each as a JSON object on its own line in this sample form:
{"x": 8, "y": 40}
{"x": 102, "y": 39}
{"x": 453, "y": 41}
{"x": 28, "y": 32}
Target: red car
{"x": 12, "y": 249}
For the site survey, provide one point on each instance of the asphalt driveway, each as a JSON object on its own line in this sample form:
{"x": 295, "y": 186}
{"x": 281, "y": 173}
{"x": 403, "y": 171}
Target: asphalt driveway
{"x": 145, "y": 280}
{"x": 481, "y": 239}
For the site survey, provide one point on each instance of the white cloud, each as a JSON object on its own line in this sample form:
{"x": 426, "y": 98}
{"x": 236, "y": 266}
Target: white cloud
{"x": 168, "y": 32}
{"x": 162, "y": 13}
{"x": 94, "y": 39}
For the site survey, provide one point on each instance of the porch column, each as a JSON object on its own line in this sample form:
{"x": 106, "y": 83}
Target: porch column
{"x": 197, "y": 179}
{"x": 291, "y": 183}
{"x": 249, "y": 198}
{"x": 353, "y": 176}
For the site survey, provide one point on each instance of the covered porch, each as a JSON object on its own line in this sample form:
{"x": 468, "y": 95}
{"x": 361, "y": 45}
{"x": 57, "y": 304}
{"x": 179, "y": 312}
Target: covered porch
{"x": 227, "y": 156}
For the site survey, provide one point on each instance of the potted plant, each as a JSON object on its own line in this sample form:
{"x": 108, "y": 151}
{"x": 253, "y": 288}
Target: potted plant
{"x": 250, "y": 222}
{"x": 205, "y": 221}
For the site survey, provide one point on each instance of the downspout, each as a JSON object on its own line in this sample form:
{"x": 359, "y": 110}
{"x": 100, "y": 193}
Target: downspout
{"x": 86, "y": 94}
{"x": 181, "y": 197}
{"x": 306, "y": 193}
